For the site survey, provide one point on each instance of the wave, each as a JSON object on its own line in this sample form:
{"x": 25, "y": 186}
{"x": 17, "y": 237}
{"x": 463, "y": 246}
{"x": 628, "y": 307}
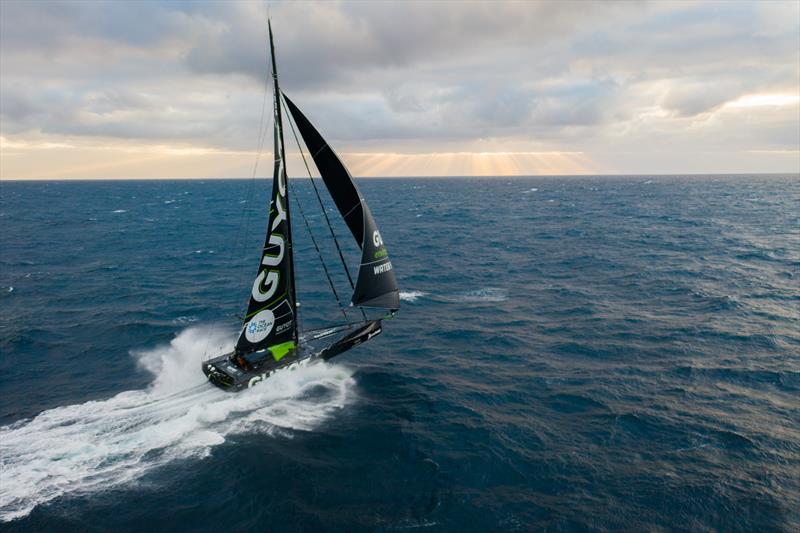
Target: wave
{"x": 411, "y": 296}
{"x": 100, "y": 444}
{"x": 487, "y": 294}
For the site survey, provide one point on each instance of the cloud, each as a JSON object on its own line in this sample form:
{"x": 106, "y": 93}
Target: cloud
{"x": 406, "y": 77}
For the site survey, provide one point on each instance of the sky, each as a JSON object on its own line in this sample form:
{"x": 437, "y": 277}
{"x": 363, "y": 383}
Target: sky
{"x": 140, "y": 89}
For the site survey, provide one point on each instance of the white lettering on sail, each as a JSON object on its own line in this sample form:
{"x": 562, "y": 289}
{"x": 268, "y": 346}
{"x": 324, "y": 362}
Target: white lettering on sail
{"x": 271, "y": 282}
{"x": 281, "y": 213}
{"x": 281, "y": 178}
{"x": 376, "y": 238}
{"x": 266, "y": 283}
{"x": 275, "y": 239}
{"x": 380, "y": 269}
{"x": 283, "y": 326}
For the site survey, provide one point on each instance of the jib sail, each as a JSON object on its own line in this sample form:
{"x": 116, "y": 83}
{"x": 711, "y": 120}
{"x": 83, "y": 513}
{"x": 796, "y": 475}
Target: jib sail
{"x": 270, "y": 321}
{"x": 376, "y": 285}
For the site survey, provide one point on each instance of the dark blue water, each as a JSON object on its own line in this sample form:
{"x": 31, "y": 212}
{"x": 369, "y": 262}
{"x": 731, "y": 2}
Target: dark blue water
{"x": 571, "y": 354}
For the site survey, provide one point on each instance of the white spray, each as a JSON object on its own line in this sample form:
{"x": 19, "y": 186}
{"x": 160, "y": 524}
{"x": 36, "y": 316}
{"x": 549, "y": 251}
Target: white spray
{"x": 100, "y": 444}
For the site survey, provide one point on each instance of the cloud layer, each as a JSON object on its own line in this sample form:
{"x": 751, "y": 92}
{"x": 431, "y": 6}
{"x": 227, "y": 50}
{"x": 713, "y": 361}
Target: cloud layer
{"x": 629, "y": 87}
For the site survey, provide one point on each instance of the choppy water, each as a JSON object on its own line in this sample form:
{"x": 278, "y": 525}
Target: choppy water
{"x": 572, "y": 354}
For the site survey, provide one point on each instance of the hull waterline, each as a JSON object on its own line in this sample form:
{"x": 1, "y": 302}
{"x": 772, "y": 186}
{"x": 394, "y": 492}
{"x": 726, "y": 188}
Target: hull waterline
{"x": 224, "y": 373}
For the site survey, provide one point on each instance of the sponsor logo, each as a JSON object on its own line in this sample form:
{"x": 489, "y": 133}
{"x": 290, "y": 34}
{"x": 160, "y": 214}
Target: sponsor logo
{"x": 380, "y": 269}
{"x": 259, "y": 326}
{"x": 255, "y": 380}
{"x": 376, "y": 238}
{"x": 284, "y": 326}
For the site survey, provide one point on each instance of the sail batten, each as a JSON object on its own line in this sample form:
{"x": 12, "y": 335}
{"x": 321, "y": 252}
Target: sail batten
{"x": 375, "y": 285}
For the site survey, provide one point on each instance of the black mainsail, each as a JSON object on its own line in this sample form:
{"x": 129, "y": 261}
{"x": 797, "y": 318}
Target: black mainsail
{"x": 376, "y": 285}
{"x": 270, "y": 320}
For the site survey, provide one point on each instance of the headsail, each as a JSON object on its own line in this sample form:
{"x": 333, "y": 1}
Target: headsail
{"x": 270, "y": 320}
{"x": 376, "y": 285}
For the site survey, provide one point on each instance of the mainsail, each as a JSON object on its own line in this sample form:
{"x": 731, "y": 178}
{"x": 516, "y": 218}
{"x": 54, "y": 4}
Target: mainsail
{"x": 270, "y": 320}
{"x": 376, "y": 285}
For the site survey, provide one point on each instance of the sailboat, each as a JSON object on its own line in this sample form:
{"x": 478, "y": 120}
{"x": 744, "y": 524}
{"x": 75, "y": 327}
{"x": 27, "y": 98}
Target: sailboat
{"x": 270, "y": 339}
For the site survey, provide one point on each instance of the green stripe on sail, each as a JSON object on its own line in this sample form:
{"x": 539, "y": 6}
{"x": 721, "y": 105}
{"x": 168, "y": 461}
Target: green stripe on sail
{"x": 280, "y": 350}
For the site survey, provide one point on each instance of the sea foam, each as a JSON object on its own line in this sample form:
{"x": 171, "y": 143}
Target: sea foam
{"x": 101, "y": 444}
{"x": 411, "y": 296}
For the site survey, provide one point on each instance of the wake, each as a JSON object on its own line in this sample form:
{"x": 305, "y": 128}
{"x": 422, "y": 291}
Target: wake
{"x": 101, "y": 444}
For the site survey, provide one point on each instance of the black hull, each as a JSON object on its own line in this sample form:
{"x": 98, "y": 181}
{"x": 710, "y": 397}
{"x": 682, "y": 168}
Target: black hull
{"x": 223, "y": 372}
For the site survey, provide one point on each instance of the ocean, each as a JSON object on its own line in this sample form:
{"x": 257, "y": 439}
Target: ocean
{"x": 571, "y": 354}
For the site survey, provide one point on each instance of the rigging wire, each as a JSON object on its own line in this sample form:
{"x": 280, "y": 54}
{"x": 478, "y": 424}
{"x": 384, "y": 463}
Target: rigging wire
{"x": 321, "y": 205}
{"x": 336, "y": 327}
{"x": 319, "y": 198}
{"x": 314, "y": 240}
{"x": 251, "y": 186}
{"x": 321, "y": 260}
{"x": 242, "y": 228}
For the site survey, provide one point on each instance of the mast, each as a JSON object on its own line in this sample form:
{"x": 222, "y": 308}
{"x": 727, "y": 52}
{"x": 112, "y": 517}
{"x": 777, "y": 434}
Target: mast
{"x": 282, "y": 155}
{"x": 271, "y": 319}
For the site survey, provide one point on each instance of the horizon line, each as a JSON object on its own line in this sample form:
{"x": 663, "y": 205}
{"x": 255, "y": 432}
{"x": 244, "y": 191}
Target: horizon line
{"x": 454, "y": 176}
